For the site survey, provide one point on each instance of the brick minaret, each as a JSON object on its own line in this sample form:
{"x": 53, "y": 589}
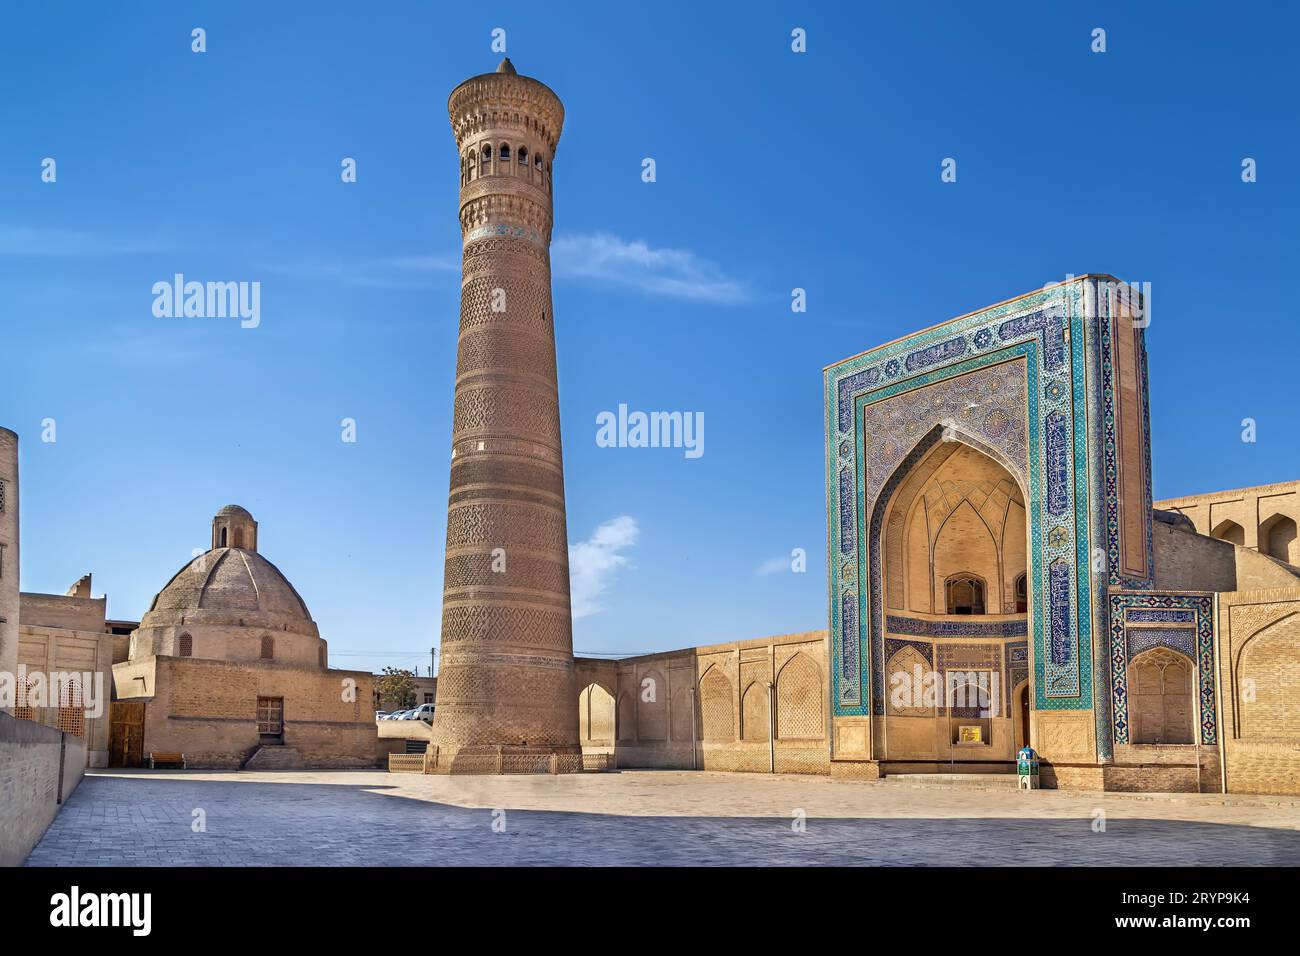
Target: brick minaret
{"x": 506, "y": 685}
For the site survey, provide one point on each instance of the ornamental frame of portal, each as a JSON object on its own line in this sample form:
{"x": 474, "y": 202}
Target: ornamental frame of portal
{"x": 1075, "y": 437}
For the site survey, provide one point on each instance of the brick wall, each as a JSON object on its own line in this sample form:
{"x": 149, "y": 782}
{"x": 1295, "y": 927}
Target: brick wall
{"x": 1255, "y": 510}
{"x": 57, "y": 610}
{"x": 30, "y": 756}
{"x": 52, "y": 649}
{"x": 1258, "y": 651}
{"x": 9, "y": 599}
{"x": 207, "y": 710}
{"x": 712, "y": 707}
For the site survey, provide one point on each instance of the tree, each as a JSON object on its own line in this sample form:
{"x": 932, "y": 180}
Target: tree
{"x": 396, "y": 686}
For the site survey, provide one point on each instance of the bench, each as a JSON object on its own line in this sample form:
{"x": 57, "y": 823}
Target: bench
{"x": 170, "y": 760}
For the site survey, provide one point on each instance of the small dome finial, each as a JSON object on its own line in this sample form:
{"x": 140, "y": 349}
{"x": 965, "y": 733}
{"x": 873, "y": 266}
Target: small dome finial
{"x": 507, "y": 67}
{"x": 234, "y": 527}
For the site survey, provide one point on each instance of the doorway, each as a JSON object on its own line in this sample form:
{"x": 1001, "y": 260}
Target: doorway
{"x": 1022, "y": 707}
{"x": 126, "y": 733}
{"x": 270, "y": 720}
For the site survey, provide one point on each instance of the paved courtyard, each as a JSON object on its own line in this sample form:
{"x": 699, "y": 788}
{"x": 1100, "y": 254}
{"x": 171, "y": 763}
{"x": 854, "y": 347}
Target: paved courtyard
{"x": 370, "y": 818}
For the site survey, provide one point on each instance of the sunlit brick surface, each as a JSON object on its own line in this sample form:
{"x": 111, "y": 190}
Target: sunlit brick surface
{"x": 506, "y": 683}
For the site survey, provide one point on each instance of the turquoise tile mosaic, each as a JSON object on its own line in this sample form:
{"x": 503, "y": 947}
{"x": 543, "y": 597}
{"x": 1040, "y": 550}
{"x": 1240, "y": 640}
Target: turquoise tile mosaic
{"x": 1040, "y": 374}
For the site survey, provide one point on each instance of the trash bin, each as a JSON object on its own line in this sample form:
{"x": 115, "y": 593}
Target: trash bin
{"x": 1027, "y": 768}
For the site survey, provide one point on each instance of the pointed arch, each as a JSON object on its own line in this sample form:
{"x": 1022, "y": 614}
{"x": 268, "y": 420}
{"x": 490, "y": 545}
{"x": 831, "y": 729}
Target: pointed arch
{"x": 1162, "y": 702}
{"x": 1268, "y": 671}
{"x": 931, "y": 449}
{"x": 950, "y": 486}
{"x": 909, "y": 684}
{"x": 1228, "y": 530}
{"x": 596, "y": 715}
{"x": 717, "y": 710}
{"x": 800, "y": 698}
{"x": 1277, "y": 538}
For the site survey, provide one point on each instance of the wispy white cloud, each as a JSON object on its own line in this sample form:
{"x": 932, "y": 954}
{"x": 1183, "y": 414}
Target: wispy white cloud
{"x": 592, "y": 563}
{"x": 590, "y": 257}
{"x": 31, "y": 241}
{"x": 774, "y": 565}
{"x": 394, "y": 272}
{"x": 675, "y": 273}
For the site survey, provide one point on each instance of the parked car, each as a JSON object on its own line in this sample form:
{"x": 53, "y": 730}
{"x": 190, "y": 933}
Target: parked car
{"x": 424, "y": 712}
{"x": 381, "y": 715}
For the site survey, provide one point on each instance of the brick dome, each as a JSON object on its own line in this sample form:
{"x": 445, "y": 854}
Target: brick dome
{"x": 231, "y": 579}
{"x": 231, "y": 604}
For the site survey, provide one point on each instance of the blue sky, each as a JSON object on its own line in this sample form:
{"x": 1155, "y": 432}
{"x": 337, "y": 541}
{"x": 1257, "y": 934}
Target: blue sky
{"x": 775, "y": 170}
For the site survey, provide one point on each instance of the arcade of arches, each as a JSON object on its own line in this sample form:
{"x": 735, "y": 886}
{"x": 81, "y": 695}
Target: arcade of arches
{"x": 756, "y": 705}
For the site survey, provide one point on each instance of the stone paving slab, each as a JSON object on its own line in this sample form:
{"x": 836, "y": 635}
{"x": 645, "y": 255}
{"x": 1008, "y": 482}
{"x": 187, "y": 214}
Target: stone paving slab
{"x": 371, "y": 818}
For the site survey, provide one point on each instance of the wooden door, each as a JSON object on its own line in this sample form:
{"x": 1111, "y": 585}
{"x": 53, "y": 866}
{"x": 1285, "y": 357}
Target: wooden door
{"x": 270, "y": 716}
{"x": 126, "y": 733}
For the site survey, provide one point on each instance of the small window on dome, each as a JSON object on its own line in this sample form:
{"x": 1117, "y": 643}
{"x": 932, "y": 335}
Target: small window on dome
{"x": 186, "y": 648}
{"x": 223, "y": 538}
{"x": 268, "y": 648}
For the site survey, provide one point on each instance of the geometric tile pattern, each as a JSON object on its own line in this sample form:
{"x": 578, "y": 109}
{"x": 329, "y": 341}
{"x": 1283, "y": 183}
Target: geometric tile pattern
{"x": 1017, "y": 667}
{"x": 1110, "y": 445}
{"x": 1042, "y": 338}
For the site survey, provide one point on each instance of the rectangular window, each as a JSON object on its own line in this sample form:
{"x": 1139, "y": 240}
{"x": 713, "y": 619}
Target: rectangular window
{"x": 2, "y": 496}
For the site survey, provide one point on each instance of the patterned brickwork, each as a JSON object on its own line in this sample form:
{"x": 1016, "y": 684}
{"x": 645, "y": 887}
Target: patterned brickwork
{"x": 717, "y": 710}
{"x": 522, "y": 355}
{"x": 475, "y": 569}
{"x": 523, "y": 303}
{"x": 506, "y": 410}
{"x": 799, "y": 696}
{"x": 513, "y": 472}
{"x": 493, "y": 524}
{"x": 519, "y": 624}
{"x": 507, "y": 683}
